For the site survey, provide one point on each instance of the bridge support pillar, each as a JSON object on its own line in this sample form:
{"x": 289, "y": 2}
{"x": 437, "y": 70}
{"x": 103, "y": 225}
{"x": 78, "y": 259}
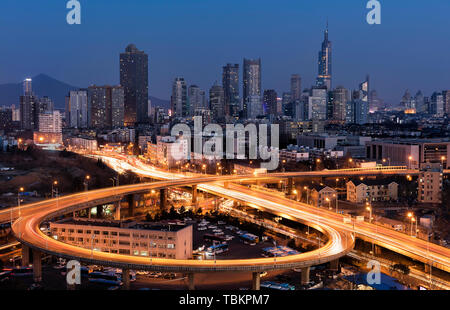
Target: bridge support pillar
{"x": 290, "y": 185}
{"x": 427, "y": 268}
{"x": 99, "y": 211}
{"x": 25, "y": 255}
{"x": 37, "y": 266}
{"x": 256, "y": 281}
{"x": 89, "y": 212}
{"x": 334, "y": 264}
{"x": 131, "y": 202}
{"x": 305, "y": 275}
{"x": 117, "y": 210}
{"x": 191, "y": 283}
{"x": 377, "y": 250}
{"x": 126, "y": 279}
{"x": 194, "y": 194}
{"x": 162, "y": 198}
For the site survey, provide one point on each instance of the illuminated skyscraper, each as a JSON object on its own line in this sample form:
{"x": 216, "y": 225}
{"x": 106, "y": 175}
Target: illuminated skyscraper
{"x": 252, "y": 88}
{"x": 324, "y": 75}
{"x": 178, "y": 100}
{"x": 230, "y": 83}
{"x": 134, "y": 79}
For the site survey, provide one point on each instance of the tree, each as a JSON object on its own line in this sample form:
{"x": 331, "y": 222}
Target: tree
{"x": 148, "y": 217}
{"x": 182, "y": 210}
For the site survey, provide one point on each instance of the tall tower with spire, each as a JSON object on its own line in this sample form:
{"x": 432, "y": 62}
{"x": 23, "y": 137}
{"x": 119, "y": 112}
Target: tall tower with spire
{"x": 324, "y": 74}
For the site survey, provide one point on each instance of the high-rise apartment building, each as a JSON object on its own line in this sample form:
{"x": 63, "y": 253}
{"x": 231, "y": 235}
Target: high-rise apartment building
{"x": 77, "y": 109}
{"x": 29, "y": 107}
{"x": 105, "y": 107}
{"x": 134, "y": 80}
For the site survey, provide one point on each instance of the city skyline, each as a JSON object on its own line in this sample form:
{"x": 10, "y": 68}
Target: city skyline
{"x": 379, "y": 50}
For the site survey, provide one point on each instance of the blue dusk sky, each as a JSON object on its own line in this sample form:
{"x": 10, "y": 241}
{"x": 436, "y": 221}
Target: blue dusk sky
{"x": 195, "y": 38}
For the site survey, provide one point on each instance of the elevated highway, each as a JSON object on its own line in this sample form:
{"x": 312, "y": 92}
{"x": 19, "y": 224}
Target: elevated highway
{"x": 27, "y": 230}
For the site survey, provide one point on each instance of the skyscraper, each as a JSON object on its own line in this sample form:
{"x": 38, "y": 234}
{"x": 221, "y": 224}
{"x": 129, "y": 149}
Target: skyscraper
{"x": 364, "y": 89}
{"x": 437, "y": 104}
{"x": 296, "y": 87}
{"x": 77, "y": 110}
{"x": 270, "y": 102}
{"x": 29, "y": 107}
{"x": 446, "y": 94}
{"x": 252, "y": 103}
{"x": 105, "y": 106}
{"x": 134, "y": 79}
{"x": 230, "y": 83}
{"x": 196, "y": 98}
{"x": 216, "y": 102}
{"x": 324, "y": 75}
{"x": 340, "y": 99}
{"x": 421, "y": 107}
{"x": 178, "y": 100}
{"x": 317, "y": 104}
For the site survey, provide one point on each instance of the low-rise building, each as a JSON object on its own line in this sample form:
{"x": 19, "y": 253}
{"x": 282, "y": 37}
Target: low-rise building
{"x": 323, "y": 196}
{"x": 126, "y": 237}
{"x": 430, "y": 183}
{"x": 360, "y": 191}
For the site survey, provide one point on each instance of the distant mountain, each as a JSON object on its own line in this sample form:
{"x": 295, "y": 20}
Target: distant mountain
{"x": 44, "y": 85}
{"x": 156, "y": 102}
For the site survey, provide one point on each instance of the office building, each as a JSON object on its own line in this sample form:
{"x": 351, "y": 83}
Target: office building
{"x": 340, "y": 99}
{"x": 270, "y": 102}
{"x": 217, "y": 102}
{"x": 230, "y": 83}
{"x": 196, "y": 98}
{"x": 134, "y": 80}
{"x": 178, "y": 100}
{"x": 252, "y": 88}
{"x": 409, "y": 152}
{"x": 324, "y": 74}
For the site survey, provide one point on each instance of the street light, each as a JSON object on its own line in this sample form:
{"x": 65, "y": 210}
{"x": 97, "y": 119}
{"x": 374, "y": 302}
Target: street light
{"x": 410, "y": 158}
{"x": 307, "y": 194}
{"x": 329, "y": 203}
{"x": 369, "y": 208}
{"x": 18, "y": 201}
{"x": 413, "y": 219}
{"x": 55, "y": 183}
{"x": 86, "y": 182}
{"x": 442, "y": 161}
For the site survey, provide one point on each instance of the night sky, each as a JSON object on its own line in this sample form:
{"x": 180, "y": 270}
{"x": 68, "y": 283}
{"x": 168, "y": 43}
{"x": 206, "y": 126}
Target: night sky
{"x": 195, "y": 38}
